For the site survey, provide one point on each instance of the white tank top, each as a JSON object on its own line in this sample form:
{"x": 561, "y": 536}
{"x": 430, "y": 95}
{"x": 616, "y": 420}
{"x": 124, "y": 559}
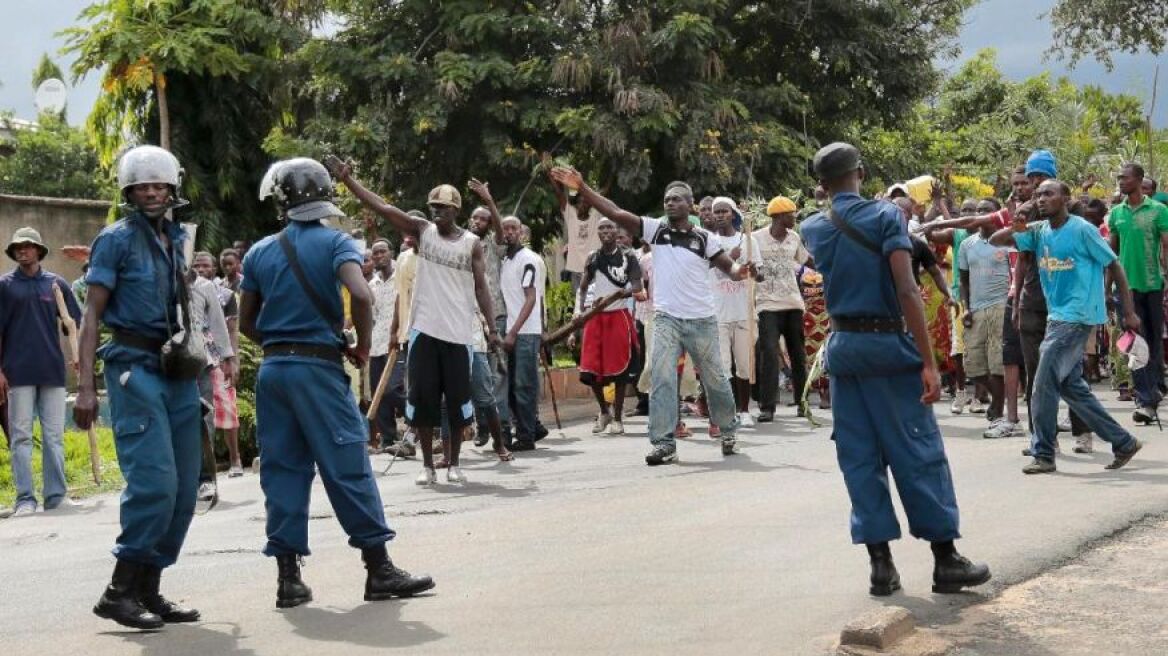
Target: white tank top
{"x": 444, "y": 304}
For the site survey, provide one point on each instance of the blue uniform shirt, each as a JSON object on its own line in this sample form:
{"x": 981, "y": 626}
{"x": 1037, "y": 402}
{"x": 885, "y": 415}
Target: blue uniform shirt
{"x": 286, "y": 314}
{"x": 30, "y": 338}
{"x": 129, "y": 260}
{"x": 1070, "y": 266}
{"x": 858, "y": 283}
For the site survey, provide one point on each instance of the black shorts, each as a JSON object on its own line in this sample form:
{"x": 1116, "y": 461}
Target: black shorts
{"x": 1011, "y": 342}
{"x": 438, "y": 371}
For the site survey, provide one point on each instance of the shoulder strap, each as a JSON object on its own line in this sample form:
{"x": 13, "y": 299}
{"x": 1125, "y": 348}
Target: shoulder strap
{"x": 317, "y": 301}
{"x": 851, "y": 232}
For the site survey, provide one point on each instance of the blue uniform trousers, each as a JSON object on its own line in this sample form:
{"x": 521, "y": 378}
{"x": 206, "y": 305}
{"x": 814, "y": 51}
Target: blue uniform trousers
{"x": 306, "y": 415}
{"x": 156, "y": 431}
{"x": 880, "y": 423}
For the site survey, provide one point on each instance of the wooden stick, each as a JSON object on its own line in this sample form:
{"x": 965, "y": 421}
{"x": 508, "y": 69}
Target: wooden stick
{"x": 383, "y": 382}
{"x": 572, "y": 326}
{"x": 751, "y": 317}
{"x": 69, "y": 327}
{"x": 546, "y": 352}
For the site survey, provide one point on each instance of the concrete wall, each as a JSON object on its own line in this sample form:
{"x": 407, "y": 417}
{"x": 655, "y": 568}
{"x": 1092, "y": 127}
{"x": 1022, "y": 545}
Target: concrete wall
{"x": 61, "y": 222}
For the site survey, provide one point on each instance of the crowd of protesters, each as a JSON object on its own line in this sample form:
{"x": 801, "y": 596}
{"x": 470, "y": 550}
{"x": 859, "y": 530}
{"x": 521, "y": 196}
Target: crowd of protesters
{"x": 984, "y": 300}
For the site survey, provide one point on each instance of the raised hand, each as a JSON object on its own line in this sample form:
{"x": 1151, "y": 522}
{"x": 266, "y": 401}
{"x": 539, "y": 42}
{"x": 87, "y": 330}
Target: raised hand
{"x": 340, "y": 169}
{"x": 567, "y": 176}
{"x": 481, "y": 189}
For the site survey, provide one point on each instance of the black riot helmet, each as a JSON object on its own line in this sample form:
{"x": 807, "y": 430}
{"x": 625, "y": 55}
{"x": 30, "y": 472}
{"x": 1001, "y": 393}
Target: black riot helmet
{"x": 303, "y": 189}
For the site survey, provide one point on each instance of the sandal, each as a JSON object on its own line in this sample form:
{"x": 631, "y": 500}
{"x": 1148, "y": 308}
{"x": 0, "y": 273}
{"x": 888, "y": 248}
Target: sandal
{"x": 505, "y": 456}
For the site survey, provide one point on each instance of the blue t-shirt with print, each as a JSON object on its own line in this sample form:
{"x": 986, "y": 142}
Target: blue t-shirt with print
{"x": 286, "y": 314}
{"x": 1070, "y": 262}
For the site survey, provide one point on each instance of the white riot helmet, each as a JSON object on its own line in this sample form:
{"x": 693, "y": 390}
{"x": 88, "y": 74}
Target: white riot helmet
{"x": 150, "y": 164}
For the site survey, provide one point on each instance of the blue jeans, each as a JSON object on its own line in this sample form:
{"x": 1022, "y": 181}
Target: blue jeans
{"x": 47, "y": 403}
{"x": 1149, "y": 308}
{"x": 1060, "y": 373}
{"x": 699, "y": 338}
{"x": 523, "y": 366}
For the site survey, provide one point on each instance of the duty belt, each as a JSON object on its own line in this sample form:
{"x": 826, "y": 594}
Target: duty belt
{"x": 318, "y": 351}
{"x": 868, "y": 324}
{"x": 134, "y": 340}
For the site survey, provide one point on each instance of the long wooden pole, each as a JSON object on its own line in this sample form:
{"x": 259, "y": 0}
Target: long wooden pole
{"x": 748, "y": 225}
{"x": 69, "y": 327}
{"x": 383, "y": 382}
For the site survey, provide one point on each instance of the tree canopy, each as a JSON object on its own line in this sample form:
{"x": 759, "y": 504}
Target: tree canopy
{"x": 1100, "y": 29}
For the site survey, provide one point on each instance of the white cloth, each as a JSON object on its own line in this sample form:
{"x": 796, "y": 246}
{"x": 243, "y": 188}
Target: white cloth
{"x": 444, "y": 304}
{"x": 520, "y": 271}
{"x": 681, "y": 261}
{"x": 644, "y": 309}
{"x": 384, "y": 299}
{"x": 582, "y": 236}
{"x": 779, "y": 265}
{"x": 207, "y": 318}
{"x": 730, "y": 296}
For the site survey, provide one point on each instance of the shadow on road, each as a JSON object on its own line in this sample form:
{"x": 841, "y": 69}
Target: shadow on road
{"x": 372, "y": 624}
{"x": 179, "y": 639}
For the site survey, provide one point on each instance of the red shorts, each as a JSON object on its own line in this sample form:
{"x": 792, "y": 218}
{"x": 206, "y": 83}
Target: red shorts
{"x": 226, "y": 414}
{"x": 607, "y": 347}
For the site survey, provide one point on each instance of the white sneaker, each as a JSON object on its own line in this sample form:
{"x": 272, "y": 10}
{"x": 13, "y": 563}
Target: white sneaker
{"x": 1085, "y": 443}
{"x": 207, "y": 491}
{"x": 745, "y": 420}
{"x": 24, "y": 510}
{"x": 975, "y": 406}
{"x": 998, "y": 429}
{"x": 427, "y": 477}
{"x": 1064, "y": 424}
{"x": 602, "y": 421}
{"x": 960, "y": 400}
{"x": 616, "y": 428}
{"x": 454, "y": 475}
{"x": 235, "y": 472}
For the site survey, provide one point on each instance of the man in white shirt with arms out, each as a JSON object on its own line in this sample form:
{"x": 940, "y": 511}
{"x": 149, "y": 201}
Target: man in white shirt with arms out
{"x": 684, "y": 309}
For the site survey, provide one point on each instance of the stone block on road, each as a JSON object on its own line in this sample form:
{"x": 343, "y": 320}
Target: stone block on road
{"x": 880, "y": 628}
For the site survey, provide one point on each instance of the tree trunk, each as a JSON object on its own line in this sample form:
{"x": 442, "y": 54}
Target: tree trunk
{"x": 163, "y": 112}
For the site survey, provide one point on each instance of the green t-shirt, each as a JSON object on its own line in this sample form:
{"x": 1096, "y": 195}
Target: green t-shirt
{"x": 959, "y": 235}
{"x": 1139, "y": 230}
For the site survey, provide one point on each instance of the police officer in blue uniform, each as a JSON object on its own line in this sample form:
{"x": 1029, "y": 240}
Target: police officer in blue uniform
{"x": 136, "y": 268}
{"x": 306, "y": 416}
{"x": 883, "y": 378}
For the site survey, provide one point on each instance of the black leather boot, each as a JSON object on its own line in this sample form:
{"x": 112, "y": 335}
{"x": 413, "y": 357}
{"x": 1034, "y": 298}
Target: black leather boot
{"x": 148, "y": 581}
{"x": 384, "y": 581}
{"x": 120, "y": 600}
{"x": 952, "y": 571}
{"x": 290, "y": 590}
{"x": 885, "y": 580}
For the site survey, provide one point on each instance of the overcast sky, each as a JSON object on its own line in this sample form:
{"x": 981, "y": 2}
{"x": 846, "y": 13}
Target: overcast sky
{"x": 28, "y": 28}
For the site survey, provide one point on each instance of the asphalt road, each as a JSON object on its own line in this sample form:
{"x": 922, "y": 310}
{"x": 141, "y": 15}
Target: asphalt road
{"x": 579, "y": 547}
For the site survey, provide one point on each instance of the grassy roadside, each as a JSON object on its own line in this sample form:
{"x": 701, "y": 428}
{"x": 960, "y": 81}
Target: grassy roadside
{"x": 78, "y": 472}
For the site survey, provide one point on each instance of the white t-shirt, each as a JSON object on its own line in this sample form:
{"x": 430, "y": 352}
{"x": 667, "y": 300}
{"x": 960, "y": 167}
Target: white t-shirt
{"x": 520, "y": 271}
{"x": 681, "y": 264}
{"x": 644, "y": 309}
{"x": 730, "y": 296}
{"x": 581, "y": 235}
{"x": 384, "y": 300}
{"x": 779, "y": 266}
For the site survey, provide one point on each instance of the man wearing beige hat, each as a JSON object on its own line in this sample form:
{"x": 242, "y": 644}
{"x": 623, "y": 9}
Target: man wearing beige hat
{"x": 451, "y": 281}
{"x": 32, "y": 368}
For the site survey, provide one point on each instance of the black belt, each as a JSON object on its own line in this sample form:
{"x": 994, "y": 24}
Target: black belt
{"x": 134, "y": 340}
{"x": 868, "y": 324}
{"x": 318, "y": 351}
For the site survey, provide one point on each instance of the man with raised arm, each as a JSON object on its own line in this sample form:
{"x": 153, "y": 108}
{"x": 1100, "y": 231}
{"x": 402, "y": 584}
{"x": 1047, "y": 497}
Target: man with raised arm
{"x": 684, "y": 309}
